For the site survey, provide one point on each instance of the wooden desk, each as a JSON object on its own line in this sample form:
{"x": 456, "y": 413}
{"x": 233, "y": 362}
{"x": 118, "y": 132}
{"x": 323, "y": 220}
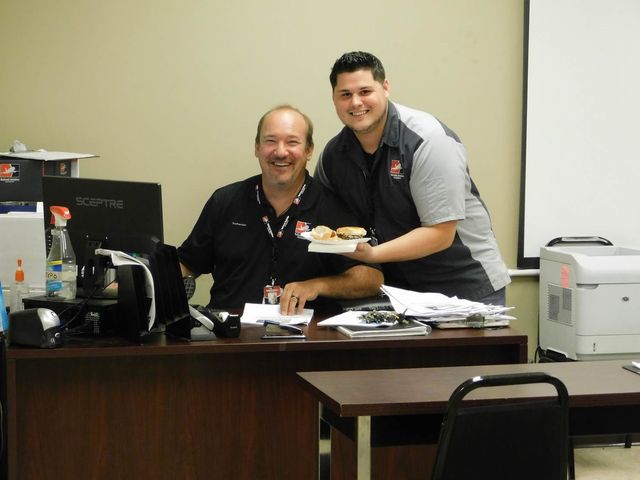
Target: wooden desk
{"x": 225, "y": 409}
{"x": 402, "y": 407}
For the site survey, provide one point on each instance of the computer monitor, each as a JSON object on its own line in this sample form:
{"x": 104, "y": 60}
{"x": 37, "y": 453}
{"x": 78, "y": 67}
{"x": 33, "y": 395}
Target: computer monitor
{"x": 124, "y": 216}
{"x": 112, "y": 214}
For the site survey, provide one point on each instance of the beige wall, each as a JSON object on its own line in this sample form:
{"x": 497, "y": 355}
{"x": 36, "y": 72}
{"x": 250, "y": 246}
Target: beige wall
{"x": 170, "y": 90}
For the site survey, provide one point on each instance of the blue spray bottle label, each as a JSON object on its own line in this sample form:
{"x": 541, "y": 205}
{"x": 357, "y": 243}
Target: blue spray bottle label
{"x": 3, "y": 312}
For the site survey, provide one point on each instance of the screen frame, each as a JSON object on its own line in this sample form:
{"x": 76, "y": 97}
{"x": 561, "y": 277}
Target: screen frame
{"x": 119, "y": 215}
{"x": 580, "y": 101}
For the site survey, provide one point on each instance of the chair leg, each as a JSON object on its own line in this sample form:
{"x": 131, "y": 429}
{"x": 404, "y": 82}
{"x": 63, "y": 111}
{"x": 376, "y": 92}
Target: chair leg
{"x": 572, "y": 463}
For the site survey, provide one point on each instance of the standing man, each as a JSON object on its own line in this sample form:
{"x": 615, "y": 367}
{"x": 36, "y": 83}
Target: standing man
{"x": 405, "y": 175}
{"x": 247, "y": 236}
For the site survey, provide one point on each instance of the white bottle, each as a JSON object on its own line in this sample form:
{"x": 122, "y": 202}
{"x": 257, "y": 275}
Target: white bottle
{"x": 19, "y": 290}
{"x": 61, "y": 261}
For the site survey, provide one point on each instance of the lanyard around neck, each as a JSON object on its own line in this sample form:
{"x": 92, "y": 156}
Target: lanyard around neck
{"x": 275, "y": 237}
{"x": 265, "y": 218}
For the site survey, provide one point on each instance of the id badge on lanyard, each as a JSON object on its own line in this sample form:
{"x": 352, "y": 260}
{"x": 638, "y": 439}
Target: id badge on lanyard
{"x": 271, "y": 294}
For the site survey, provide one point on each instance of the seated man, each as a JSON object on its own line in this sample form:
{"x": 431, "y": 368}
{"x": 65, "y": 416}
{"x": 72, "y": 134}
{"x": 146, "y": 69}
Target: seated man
{"x": 247, "y": 233}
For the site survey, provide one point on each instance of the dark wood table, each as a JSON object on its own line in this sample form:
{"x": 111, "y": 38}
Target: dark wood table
{"x": 222, "y": 409}
{"x": 374, "y": 409}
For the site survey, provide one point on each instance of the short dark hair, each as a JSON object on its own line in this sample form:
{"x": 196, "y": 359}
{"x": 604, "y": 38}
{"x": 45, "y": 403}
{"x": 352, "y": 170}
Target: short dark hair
{"x": 354, "y": 61}
{"x": 307, "y": 120}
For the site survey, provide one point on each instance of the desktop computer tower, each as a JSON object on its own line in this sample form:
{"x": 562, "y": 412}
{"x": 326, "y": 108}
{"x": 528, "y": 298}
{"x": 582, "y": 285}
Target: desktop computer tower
{"x": 92, "y": 317}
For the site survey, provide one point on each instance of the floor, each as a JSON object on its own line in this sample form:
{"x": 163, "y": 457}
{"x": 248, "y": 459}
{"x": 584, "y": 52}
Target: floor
{"x": 593, "y": 462}
{"x": 608, "y": 463}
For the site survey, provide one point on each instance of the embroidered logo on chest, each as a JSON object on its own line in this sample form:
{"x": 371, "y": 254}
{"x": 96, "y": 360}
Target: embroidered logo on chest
{"x": 302, "y": 227}
{"x": 395, "y": 170}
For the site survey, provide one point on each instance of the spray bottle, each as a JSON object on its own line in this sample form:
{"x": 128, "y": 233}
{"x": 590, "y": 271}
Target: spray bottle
{"x": 61, "y": 261}
{"x": 4, "y": 317}
{"x": 19, "y": 289}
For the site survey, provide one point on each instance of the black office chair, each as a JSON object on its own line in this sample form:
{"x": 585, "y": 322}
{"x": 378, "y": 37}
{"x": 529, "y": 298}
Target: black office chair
{"x": 512, "y": 439}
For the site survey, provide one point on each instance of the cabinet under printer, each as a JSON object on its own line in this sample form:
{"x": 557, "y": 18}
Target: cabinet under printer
{"x": 590, "y": 302}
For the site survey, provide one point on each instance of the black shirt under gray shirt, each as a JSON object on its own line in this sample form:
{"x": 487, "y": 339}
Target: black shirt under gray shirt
{"x": 418, "y": 177}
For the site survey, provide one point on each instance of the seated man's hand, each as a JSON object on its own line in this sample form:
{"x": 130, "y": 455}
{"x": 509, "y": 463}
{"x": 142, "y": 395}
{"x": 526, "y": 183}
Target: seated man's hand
{"x": 356, "y": 282}
{"x": 295, "y": 295}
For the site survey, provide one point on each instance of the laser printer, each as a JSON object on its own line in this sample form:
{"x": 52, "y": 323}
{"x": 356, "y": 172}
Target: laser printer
{"x": 590, "y": 302}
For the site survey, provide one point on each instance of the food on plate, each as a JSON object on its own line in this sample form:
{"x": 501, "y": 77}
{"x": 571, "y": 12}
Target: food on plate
{"x": 351, "y": 233}
{"x": 322, "y": 232}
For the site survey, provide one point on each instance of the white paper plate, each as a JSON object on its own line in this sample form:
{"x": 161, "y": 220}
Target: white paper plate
{"x": 340, "y": 241}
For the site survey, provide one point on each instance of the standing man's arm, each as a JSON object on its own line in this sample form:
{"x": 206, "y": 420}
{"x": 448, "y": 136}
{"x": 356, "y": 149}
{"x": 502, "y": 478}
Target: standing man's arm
{"x": 438, "y": 185}
{"x": 417, "y": 243}
{"x": 358, "y": 281}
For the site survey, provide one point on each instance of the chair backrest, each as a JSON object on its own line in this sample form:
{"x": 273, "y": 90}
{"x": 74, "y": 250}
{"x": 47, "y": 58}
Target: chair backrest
{"x": 512, "y": 438}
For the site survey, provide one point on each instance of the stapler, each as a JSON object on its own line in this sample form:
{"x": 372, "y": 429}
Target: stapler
{"x": 275, "y": 330}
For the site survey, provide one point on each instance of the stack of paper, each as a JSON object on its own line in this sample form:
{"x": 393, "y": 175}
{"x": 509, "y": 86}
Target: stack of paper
{"x": 351, "y": 324}
{"x": 437, "y": 307}
{"x": 257, "y": 313}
